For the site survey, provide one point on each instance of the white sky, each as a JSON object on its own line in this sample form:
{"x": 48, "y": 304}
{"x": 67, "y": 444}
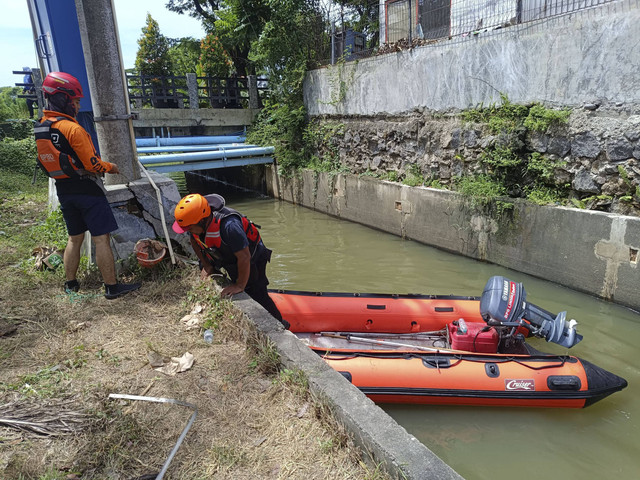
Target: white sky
{"x": 16, "y": 38}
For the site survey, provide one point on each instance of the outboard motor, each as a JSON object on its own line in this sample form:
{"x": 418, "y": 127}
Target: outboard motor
{"x": 503, "y": 304}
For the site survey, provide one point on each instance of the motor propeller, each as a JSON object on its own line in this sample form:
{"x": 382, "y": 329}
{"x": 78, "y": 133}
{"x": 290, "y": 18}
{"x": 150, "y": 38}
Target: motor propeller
{"x": 503, "y": 302}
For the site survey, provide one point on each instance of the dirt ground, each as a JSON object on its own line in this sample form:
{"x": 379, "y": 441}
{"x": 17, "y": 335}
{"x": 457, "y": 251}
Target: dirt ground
{"x": 61, "y": 356}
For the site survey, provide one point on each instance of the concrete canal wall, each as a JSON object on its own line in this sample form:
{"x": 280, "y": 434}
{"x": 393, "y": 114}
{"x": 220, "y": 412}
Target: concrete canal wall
{"x": 588, "y": 251}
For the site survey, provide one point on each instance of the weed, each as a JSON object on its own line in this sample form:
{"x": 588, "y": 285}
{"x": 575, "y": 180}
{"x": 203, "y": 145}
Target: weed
{"x": 227, "y": 456}
{"x": 45, "y": 383}
{"x": 434, "y": 183}
{"x": 294, "y": 379}
{"x": 541, "y": 118}
{"x": 267, "y": 358}
{"x": 414, "y": 177}
{"x": 217, "y": 310}
{"x": 482, "y": 188}
{"x": 52, "y": 233}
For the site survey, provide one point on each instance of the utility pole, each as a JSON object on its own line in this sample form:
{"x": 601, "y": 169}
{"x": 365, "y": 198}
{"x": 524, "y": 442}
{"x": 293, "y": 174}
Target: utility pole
{"x": 107, "y": 82}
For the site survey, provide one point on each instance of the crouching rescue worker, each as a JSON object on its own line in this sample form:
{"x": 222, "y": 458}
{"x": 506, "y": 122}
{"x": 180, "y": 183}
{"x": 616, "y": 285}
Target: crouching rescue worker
{"x": 224, "y": 238}
{"x": 67, "y": 154}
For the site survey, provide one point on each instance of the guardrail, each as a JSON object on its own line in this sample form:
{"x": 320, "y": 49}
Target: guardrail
{"x": 191, "y": 91}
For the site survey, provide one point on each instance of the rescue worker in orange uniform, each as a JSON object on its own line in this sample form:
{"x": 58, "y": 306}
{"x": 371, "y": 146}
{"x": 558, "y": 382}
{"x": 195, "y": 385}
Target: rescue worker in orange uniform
{"x": 224, "y": 238}
{"x": 67, "y": 154}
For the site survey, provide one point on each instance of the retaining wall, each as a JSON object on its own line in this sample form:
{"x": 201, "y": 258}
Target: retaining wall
{"x": 592, "y": 252}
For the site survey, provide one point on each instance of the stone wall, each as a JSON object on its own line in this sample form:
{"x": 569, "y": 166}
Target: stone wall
{"x": 597, "y": 151}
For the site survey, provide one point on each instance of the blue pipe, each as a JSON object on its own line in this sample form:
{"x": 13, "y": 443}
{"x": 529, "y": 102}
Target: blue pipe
{"x": 199, "y": 156}
{"x": 224, "y": 163}
{"x": 193, "y": 148}
{"x": 158, "y": 141}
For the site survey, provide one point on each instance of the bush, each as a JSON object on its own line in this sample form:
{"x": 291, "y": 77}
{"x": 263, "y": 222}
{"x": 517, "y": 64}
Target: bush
{"x": 282, "y": 127}
{"x": 18, "y": 156}
{"x": 16, "y": 129}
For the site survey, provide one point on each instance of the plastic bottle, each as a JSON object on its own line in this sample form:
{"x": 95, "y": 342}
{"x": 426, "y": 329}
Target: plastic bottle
{"x": 208, "y": 335}
{"x": 462, "y": 326}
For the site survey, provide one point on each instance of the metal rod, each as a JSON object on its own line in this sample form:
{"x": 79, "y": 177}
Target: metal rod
{"x": 165, "y": 400}
{"x": 383, "y": 343}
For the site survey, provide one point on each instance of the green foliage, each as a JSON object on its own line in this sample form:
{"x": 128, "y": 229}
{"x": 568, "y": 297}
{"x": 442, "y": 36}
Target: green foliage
{"x": 542, "y": 167}
{"x": 282, "y": 126}
{"x": 544, "y": 195}
{"x": 16, "y": 129}
{"x": 482, "y": 188}
{"x": 414, "y": 177}
{"x": 184, "y": 56}
{"x": 10, "y": 105}
{"x": 52, "y": 232}
{"x": 506, "y": 117}
{"x": 319, "y": 139}
{"x": 214, "y": 59}
{"x": 434, "y": 183}
{"x": 18, "y": 156}
{"x": 541, "y": 118}
{"x": 507, "y": 162}
{"x": 45, "y": 383}
{"x": 153, "y": 56}
{"x": 500, "y": 159}
{"x": 287, "y": 47}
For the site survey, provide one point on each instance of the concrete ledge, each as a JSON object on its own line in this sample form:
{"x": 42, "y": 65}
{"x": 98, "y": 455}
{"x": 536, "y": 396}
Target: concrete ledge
{"x": 376, "y": 433}
{"x": 186, "y": 117}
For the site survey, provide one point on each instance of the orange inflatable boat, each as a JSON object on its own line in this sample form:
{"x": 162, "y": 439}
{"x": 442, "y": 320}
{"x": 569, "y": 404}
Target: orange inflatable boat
{"x": 451, "y": 350}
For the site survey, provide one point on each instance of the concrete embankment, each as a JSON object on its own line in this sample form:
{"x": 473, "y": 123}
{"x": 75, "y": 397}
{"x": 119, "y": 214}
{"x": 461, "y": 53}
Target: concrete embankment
{"x": 591, "y": 252}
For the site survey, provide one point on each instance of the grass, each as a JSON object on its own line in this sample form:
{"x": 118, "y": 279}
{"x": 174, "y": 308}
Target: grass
{"x": 79, "y": 349}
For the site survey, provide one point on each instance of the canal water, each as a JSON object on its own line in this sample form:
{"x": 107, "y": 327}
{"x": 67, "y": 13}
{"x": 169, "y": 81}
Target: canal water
{"x": 316, "y": 252}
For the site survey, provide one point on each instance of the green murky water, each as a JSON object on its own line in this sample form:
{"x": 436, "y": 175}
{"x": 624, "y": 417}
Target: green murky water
{"x": 316, "y": 252}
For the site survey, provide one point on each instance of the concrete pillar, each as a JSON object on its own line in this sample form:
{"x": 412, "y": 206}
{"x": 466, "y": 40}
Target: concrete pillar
{"x": 103, "y": 59}
{"x": 192, "y": 87}
{"x": 254, "y": 99}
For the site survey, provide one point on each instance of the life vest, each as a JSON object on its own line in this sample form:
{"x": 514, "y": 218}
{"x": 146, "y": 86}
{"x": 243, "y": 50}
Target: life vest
{"x": 55, "y": 163}
{"x": 212, "y": 236}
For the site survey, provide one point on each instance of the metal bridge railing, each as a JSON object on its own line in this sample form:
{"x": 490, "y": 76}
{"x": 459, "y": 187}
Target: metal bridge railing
{"x": 190, "y": 91}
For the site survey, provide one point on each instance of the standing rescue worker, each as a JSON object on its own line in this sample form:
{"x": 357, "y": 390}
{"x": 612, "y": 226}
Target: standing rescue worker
{"x": 224, "y": 238}
{"x": 67, "y": 154}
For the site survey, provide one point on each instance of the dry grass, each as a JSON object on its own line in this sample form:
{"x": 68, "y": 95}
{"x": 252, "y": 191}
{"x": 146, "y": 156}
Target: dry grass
{"x": 69, "y": 353}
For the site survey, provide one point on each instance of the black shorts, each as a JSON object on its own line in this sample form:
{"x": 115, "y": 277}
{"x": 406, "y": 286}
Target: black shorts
{"x": 87, "y": 212}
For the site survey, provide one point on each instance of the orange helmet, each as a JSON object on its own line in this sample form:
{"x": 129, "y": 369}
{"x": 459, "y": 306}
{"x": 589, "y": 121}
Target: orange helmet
{"x": 189, "y": 211}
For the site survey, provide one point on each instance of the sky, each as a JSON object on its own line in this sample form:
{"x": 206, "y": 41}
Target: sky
{"x": 16, "y": 38}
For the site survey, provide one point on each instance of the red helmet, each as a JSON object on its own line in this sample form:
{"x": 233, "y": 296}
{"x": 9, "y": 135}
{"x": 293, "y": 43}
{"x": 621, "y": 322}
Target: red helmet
{"x": 57, "y": 82}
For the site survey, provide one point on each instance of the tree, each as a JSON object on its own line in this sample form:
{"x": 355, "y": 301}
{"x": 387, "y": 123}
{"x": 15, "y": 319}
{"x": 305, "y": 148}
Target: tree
{"x": 288, "y": 46}
{"x": 10, "y": 105}
{"x": 214, "y": 60}
{"x": 153, "y": 57}
{"x": 184, "y": 54}
{"x": 236, "y": 23}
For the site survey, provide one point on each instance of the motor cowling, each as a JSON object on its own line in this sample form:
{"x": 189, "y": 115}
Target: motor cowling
{"x": 503, "y": 302}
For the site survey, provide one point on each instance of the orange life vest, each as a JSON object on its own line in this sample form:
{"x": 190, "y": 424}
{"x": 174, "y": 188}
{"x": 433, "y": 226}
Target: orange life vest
{"x": 212, "y": 237}
{"x": 56, "y": 164}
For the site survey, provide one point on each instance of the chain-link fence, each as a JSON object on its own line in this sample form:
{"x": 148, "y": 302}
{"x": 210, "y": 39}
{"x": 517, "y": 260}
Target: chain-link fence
{"x": 358, "y": 29}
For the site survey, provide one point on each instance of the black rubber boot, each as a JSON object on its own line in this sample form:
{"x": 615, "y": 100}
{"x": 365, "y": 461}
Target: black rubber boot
{"x": 119, "y": 289}
{"x": 71, "y": 286}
